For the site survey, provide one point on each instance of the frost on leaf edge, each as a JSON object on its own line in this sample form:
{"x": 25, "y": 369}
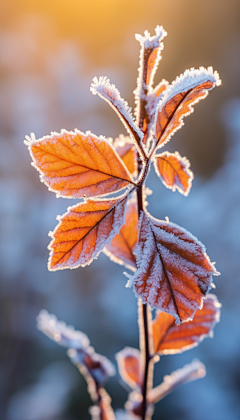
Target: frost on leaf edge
{"x": 189, "y": 80}
{"x": 109, "y": 239}
{"x": 130, "y": 282}
{"x": 186, "y": 169}
{"x": 210, "y": 334}
{"x": 30, "y": 140}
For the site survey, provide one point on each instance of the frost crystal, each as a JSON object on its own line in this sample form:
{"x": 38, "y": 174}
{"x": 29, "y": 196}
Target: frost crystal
{"x": 59, "y": 332}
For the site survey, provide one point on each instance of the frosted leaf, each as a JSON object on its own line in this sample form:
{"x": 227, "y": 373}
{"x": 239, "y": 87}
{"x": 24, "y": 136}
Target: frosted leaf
{"x": 129, "y": 366}
{"x": 126, "y": 149}
{"x": 170, "y": 338}
{"x": 178, "y": 100}
{"x": 74, "y": 164}
{"x": 84, "y": 230}
{"x": 174, "y": 272}
{"x": 97, "y": 366}
{"x": 110, "y": 94}
{"x": 174, "y": 171}
{"x": 59, "y": 332}
{"x": 188, "y": 373}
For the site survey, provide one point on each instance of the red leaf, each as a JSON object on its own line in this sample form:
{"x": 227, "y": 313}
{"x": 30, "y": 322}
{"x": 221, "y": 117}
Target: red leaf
{"x": 83, "y": 232}
{"x": 129, "y": 366}
{"x": 123, "y": 245}
{"x": 74, "y": 164}
{"x": 174, "y": 272}
{"x": 174, "y": 171}
{"x": 179, "y": 99}
{"x": 171, "y": 339}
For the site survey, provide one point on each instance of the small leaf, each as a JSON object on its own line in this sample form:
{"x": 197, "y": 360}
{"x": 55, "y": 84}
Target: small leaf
{"x": 174, "y": 171}
{"x": 178, "y": 100}
{"x": 129, "y": 366}
{"x": 188, "y": 373}
{"x": 110, "y": 94}
{"x": 171, "y": 339}
{"x": 74, "y": 164}
{"x": 174, "y": 272}
{"x": 121, "y": 250}
{"x": 128, "y": 153}
{"x": 84, "y": 230}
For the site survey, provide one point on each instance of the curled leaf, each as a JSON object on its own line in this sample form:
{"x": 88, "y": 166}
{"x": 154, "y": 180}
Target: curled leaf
{"x": 84, "y": 230}
{"x": 123, "y": 245}
{"x": 178, "y": 100}
{"x": 129, "y": 366}
{"x": 74, "y": 164}
{"x": 188, "y": 373}
{"x": 174, "y": 272}
{"x": 174, "y": 171}
{"x": 170, "y": 338}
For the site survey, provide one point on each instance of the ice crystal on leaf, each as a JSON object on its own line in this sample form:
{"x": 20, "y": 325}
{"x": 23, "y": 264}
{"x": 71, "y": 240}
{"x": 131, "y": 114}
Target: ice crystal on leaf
{"x": 172, "y": 271}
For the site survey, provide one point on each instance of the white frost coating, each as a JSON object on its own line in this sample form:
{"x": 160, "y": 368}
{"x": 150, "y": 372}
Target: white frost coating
{"x": 120, "y": 357}
{"x": 110, "y": 93}
{"x": 100, "y": 368}
{"x": 59, "y": 332}
{"x": 84, "y": 258}
{"x": 190, "y": 79}
{"x": 105, "y": 187}
{"x": 148, "y": 43}
{"x": 152, "y": 42}
{"x": 188, "y": 373}
{"x": 159, "y": 253}
{"x": 185, "y": 166}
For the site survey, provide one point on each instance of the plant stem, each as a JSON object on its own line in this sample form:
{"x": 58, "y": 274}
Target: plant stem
{"x": 147, "y": 356}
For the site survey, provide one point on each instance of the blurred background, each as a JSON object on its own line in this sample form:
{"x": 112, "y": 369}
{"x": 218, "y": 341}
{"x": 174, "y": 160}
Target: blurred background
{"x": 49, "y": 53}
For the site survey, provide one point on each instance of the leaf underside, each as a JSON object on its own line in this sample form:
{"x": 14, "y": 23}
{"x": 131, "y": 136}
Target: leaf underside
{"x": 170, "y": 338}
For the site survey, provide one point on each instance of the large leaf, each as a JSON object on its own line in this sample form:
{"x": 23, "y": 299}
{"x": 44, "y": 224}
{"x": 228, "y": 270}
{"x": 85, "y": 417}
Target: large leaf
{"x": 178, "y": 100}
{"x": 123, "y": 245}
{"x": 129, "y": 366}
{"x": 74, "y": 164}
{"x": 174, "y": 171}
{"x": 170, "y": 338}
{"x": 84, "y": 230}
{"x": 174, "y": 272}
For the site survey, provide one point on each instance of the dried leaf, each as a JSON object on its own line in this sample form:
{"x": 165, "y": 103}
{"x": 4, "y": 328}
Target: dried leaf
{"x": 174, "y": 171}
{"x": 178, "y": 101}
{"x": 174, "y": 272}
{"x": 171, "y": 339}
{"x": 129, "y": 366}
{"x": 84, "y": 230}
{"x": 121, "y": 250}
{"x": 188, "y": 373}
{"x": 74, "y": 164}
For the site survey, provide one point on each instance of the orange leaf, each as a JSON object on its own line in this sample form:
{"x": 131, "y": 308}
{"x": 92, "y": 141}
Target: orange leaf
{"x": 171, "y": 339}
{"x": 129, "y": 366}
{"x": 74, "y": 164}
{"x": 174, "y": 272}
{"x": 83, "y": 232}
{"x": 179, "y": 99}
{"x": 174, "y": 171}
{"x": 124, "y": 243}
{"x": 128, "y": 153}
